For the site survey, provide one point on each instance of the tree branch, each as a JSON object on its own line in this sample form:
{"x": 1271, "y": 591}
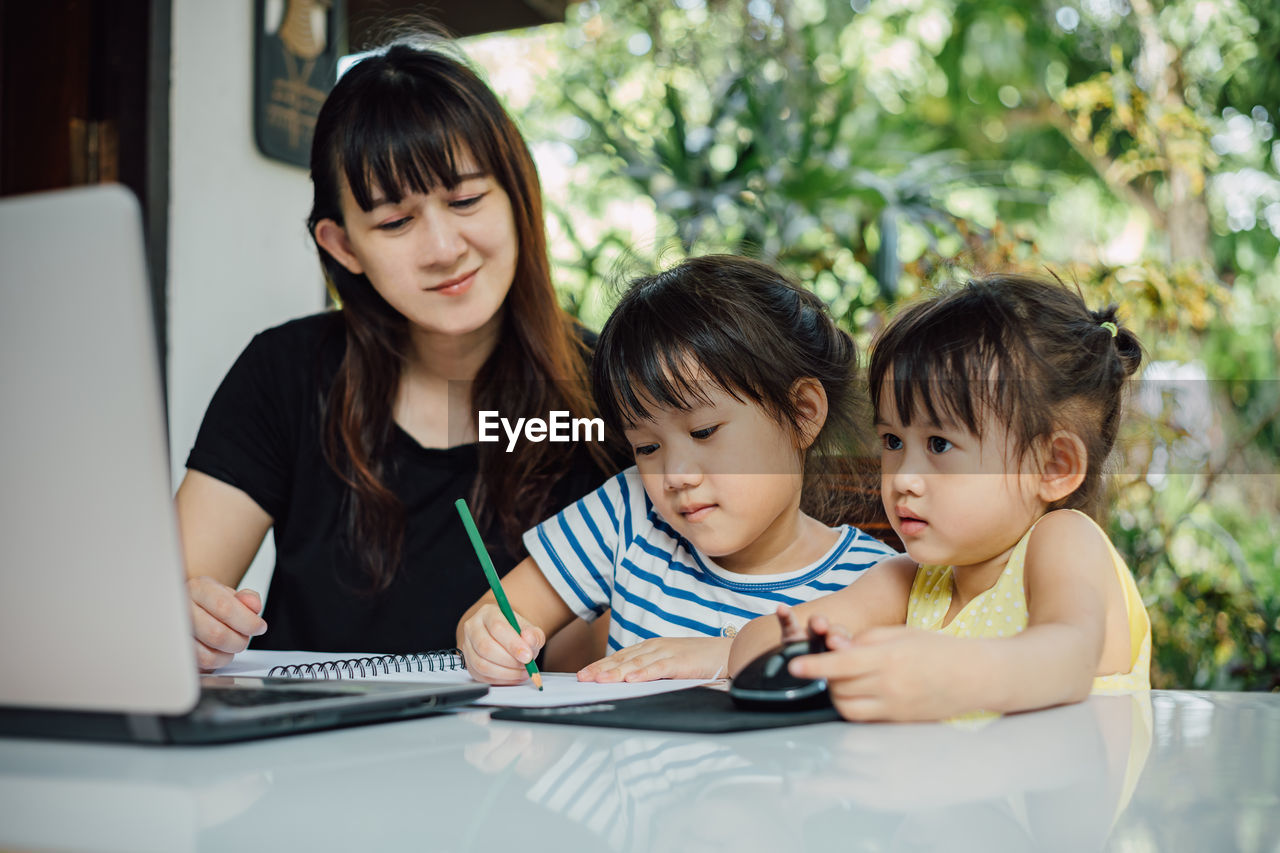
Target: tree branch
{"x": 1103, "y": 165}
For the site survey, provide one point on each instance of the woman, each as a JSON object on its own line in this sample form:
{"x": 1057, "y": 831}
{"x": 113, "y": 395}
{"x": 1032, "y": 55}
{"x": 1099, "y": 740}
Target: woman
{"x": 352, "y": 432}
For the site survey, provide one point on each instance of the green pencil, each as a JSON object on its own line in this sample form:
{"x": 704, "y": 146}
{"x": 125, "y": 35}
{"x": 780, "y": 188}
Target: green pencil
{"x": 494, "y": 584}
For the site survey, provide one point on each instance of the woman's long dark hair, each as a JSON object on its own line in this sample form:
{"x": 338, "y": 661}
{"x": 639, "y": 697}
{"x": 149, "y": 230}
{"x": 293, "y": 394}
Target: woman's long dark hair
{"x": 397, "y": 122}
{"x": 737, "y": 324}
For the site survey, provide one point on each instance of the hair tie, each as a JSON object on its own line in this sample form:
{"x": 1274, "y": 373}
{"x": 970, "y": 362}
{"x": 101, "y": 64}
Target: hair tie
{"x": 1110, "y": 327}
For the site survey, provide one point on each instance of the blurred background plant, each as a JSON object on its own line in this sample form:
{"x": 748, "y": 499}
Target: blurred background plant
{"x": 874, "y": 147}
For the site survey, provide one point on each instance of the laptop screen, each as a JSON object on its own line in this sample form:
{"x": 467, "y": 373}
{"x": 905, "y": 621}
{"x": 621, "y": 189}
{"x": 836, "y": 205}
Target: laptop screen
{"x": 93, "y": 608}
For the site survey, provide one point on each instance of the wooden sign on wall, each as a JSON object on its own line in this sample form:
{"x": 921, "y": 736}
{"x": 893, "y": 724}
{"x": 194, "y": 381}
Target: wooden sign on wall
{"x": 297, "y": 44}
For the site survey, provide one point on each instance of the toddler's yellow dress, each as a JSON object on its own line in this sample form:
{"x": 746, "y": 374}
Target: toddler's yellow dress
{"x": 1002, "y": 611}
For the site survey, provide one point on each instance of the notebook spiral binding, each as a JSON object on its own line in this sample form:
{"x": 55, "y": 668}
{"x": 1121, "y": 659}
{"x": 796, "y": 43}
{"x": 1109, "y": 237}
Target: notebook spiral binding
{"x": 373, "y": 665}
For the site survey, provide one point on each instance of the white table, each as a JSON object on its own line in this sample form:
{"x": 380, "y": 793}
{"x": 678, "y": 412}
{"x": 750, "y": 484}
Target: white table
{"x": 1172, "y": 771}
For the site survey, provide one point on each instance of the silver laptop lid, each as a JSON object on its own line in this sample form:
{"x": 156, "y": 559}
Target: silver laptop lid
{"x": 93, "y": 608}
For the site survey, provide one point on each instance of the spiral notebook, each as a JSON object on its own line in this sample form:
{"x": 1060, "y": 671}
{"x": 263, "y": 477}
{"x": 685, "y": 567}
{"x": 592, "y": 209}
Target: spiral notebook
{"x": 445, "y": 666}
{"x": 441, "y": 665}
{"x": 326, "y": 667}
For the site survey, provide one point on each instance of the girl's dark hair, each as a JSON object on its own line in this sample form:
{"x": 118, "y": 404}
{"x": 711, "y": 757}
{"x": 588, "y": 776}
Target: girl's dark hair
{"x": 1029, "y": 350}
{"x": 400, "y": 121}
{"x": 743, "y": 327}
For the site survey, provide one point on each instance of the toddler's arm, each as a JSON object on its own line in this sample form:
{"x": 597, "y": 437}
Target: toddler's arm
{"x": 877, "y": 598}
{"x": 492, "y": 649}
{"x": 900, "y": 673}
{"x": 1069, "y": 578}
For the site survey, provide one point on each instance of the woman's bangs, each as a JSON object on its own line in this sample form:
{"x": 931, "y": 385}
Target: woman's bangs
{"x": 407, "y": 146}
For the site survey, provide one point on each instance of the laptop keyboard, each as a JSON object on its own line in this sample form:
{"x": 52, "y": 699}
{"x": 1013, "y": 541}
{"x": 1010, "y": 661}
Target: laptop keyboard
{"x": 249, "y": 697}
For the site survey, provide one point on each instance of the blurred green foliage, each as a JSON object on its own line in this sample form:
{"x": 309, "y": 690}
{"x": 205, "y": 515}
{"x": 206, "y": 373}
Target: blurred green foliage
{"x": 873, "y": 147}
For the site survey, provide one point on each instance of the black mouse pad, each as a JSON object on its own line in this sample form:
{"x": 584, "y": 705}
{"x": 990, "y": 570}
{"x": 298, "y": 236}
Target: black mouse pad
{"x": 698, "y": 709}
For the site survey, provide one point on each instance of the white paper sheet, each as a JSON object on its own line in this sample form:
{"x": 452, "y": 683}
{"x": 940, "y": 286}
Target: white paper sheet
{"x": 559, "y": 688}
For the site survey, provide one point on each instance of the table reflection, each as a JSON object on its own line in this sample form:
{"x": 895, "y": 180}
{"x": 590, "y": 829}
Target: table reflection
{"x": 1053, "y": 779}
{"x": 1209, "y": 779}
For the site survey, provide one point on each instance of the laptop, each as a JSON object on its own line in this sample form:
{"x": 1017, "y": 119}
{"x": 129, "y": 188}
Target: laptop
{"x": 95, "y": 625}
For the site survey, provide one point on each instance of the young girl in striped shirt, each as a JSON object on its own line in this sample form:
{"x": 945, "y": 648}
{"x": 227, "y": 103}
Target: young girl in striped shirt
{"x": 736, "y": 392}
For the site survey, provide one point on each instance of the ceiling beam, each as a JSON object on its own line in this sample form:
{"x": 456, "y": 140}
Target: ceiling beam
{"x": 371, "y": 22}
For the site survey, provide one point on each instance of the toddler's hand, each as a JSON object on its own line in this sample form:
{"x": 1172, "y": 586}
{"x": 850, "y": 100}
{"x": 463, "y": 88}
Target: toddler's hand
{"x": 887, "y": 673}
{"x": 494, "y": 652}
{"x": 662, "y": 657}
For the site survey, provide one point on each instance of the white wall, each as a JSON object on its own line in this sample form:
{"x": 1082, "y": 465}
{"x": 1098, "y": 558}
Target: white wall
{"x": 240, "y": 259}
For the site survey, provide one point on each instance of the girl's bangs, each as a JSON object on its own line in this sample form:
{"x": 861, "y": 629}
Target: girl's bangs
{"x": 673, "y": 342}
{"x": 948, "y": 376}
{"x": 656, "y": 381}
{"x": 646, "y": 375}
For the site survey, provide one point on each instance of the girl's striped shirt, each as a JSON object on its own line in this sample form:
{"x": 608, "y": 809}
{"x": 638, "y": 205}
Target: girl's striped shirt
{"x": 612, "y": 549}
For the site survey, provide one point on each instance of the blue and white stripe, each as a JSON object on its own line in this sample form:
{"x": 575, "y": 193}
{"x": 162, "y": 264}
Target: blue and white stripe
{"x": 624, "y": 790}
{"x": 611, "y": 549}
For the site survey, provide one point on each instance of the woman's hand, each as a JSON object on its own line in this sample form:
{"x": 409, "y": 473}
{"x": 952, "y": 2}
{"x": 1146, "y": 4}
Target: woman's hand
{"x": 494, "y": 652}
{"x": 895, "y": 673}
{"x": 221, "y": 528}
{"x": 224, "y": 621}
{"x": 662, "y": 657}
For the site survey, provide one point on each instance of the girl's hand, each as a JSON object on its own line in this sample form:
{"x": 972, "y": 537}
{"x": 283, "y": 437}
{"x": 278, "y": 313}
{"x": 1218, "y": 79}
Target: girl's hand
{"x": 223, "y": 621}
{"x": 493, "y": 651}
{"x": 515, "y": 748}
{"x": 892, "y": 673}
{"x": 792, "y": 628}
{"x": 819, "y": 627}
{"x": 662, "y": 657}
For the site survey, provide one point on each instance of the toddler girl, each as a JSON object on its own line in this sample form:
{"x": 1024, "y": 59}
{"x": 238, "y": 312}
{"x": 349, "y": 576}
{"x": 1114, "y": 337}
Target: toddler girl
{"x": 996, "y": 406}
{"x": 732, "y": 387}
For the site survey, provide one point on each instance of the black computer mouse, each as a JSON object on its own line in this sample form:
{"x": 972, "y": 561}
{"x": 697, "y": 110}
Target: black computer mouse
{"x": 765, "y": 684}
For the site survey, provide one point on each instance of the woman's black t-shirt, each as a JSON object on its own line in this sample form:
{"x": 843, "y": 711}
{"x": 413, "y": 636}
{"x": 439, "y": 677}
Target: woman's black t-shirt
{"x": 262, "y": 434}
